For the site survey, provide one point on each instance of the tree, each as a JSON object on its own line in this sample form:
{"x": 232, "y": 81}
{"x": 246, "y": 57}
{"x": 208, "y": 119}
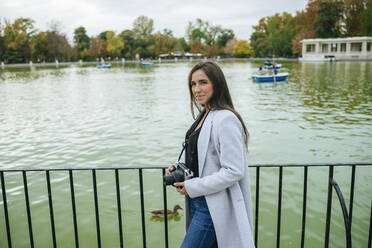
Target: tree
{"x": 354, "y": 10}
{"x": 2, "y": 43}
{"x": 143, "y": 26}
{"x": 260, "y": 44}
{"x": 367, "y": 19}
{"x": 102, "y": 35}
{"x": 243, "y": 49}
{"x": 224, "y": 36}
{"x": 196, "y": 46}
{"x": 81, "y": 39}
{"x": 328, "y": 24}
{"x": 273, "y": 35}
{"x": 58, "y": 46}
{"x": 97, "y": 47}
{"x": 129, "y": 43}
{"x": 229, "y": 47}
{"x": 114, "y": 44}
{"x": 17, "y": 38}
{"x": 40, "y": 48}
{"x": 183, "y": 45}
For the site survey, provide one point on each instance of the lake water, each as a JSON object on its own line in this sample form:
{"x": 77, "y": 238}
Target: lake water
{"x": 80, "y": 116}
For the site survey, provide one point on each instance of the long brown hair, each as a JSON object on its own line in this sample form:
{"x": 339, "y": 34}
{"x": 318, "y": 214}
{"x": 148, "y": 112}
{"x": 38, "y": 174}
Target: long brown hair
{"x": 221, "y": 98}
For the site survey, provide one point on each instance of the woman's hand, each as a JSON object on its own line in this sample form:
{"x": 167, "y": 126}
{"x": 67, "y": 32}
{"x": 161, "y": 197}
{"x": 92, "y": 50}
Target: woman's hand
{"x": 168, "y": 171}
{"x": 180, "y": 188}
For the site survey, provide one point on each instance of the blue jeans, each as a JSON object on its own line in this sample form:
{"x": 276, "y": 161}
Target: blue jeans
{"x": 200, "y": 233}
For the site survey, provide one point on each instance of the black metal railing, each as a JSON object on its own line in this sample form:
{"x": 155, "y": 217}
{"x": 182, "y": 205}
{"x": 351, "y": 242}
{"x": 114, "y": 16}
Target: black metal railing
{"x": 347, "y": 213}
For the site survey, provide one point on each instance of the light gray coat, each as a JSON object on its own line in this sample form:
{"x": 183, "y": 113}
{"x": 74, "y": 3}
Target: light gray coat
{"x": 223, "y": 179}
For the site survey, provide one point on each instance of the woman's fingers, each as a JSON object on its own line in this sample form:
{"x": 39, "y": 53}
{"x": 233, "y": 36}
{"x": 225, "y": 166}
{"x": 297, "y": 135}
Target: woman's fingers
{"x": 180, "y": 188}
{"x": 167, "y": 171}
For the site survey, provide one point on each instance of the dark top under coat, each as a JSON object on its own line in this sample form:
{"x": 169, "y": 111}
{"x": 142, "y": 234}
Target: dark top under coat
{"x": 191, "y": 145}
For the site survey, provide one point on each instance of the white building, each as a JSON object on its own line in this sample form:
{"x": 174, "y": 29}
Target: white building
{"x": 353, "y": 48}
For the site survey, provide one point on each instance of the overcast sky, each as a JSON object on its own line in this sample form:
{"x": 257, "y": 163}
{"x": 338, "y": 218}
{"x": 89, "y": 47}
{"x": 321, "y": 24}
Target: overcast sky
{"x": 98, "y": 15}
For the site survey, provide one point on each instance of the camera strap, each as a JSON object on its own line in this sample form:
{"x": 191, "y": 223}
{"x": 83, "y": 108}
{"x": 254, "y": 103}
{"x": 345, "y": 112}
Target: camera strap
{"x": 183, "y": 148}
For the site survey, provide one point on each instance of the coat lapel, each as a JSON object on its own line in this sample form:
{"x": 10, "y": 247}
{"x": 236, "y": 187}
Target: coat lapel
{"x": 203, "y": 141}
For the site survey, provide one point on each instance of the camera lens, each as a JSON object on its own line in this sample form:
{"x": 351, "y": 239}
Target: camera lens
{"x": 174, "y": 177}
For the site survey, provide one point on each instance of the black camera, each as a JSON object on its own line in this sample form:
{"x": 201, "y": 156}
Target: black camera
{"x": 178, "y": 174}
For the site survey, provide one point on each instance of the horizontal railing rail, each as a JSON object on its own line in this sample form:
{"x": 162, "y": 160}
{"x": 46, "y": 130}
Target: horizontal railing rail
{"x": 257, "y": 168}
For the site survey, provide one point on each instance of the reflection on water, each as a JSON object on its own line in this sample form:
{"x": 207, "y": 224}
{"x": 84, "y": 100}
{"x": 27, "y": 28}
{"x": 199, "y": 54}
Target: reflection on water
{"x": 80, "y": 116}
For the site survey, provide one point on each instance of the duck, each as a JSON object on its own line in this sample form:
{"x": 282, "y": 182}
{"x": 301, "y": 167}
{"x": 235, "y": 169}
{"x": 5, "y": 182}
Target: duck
{"x": 170, "y": 214}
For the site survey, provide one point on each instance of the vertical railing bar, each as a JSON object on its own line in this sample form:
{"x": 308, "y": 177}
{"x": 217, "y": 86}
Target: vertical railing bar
{"x": 351, "y": 195}
{"x": 74, "y": 208}
{"x": 257, "y": 206}
{"x": 165, "y": 211}
{"x": 142, "y": 209}
{"x": 119, "y": 207}
{"x": 51, "y": 209}
{"x": 28, "y": 209}
{"x": 5, "y": 209}
{"x": 370, "y": 229}
{"x": 96, "y": 207}
{"x": 304, "y": 208}
{"x": 279, "y": 207}
{"x": 329, "y": 207}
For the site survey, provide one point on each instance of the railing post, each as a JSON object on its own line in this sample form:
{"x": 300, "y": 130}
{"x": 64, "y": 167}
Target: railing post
{"x": 329, "y": 207}
{"x": 304, "y": 208}
{"x": 165, "y": 211}
{"x": 257, "y": 206}
{"x": 51, "y": 209}
{"x": 279, "y": 207}
{"x": 72, "y": 190}
{"x": 370, "y": 229}
{"x": 142, "y": 209}
{"x": 5, "y": 209}
{"x": 119, "y": 207}
{"x": 96, "y": 207}
{"x": 28, "y": 209}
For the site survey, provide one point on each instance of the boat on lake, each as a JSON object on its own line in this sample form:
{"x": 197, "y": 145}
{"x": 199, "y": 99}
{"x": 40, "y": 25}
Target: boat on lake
{"x": 143, "y": 63}
{"x": 262, "y": 78}
{"x": 104, "y": 66}
{"x": 270, "y": 66}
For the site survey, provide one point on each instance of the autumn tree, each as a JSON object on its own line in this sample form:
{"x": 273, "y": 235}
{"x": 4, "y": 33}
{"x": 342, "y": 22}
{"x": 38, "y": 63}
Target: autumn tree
{"x": 17, "y": 39}
{"x": 40, "y": 47}
{"x": 114, "y": 44}
{"x": 229, "y": 47}
{"x": 97, "y": 48}
{"x": 243, "y": 49}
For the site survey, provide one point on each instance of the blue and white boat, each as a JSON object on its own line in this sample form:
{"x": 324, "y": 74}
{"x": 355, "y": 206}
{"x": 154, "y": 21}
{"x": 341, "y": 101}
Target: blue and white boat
{"x": 270, "y": 66}
{"x": 262, "y": 78}
{"x": 104, "y": 66}
{"x": 143, "y": 63}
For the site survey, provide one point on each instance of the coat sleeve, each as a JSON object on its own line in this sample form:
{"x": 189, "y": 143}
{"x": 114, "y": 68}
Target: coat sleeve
{"x": 231, "y": 154}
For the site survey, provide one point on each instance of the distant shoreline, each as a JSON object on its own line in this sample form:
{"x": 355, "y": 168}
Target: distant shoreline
{"x": 78, "y": 63}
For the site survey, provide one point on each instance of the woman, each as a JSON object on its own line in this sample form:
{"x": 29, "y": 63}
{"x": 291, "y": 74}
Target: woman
{"x": 218, "y": 200}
